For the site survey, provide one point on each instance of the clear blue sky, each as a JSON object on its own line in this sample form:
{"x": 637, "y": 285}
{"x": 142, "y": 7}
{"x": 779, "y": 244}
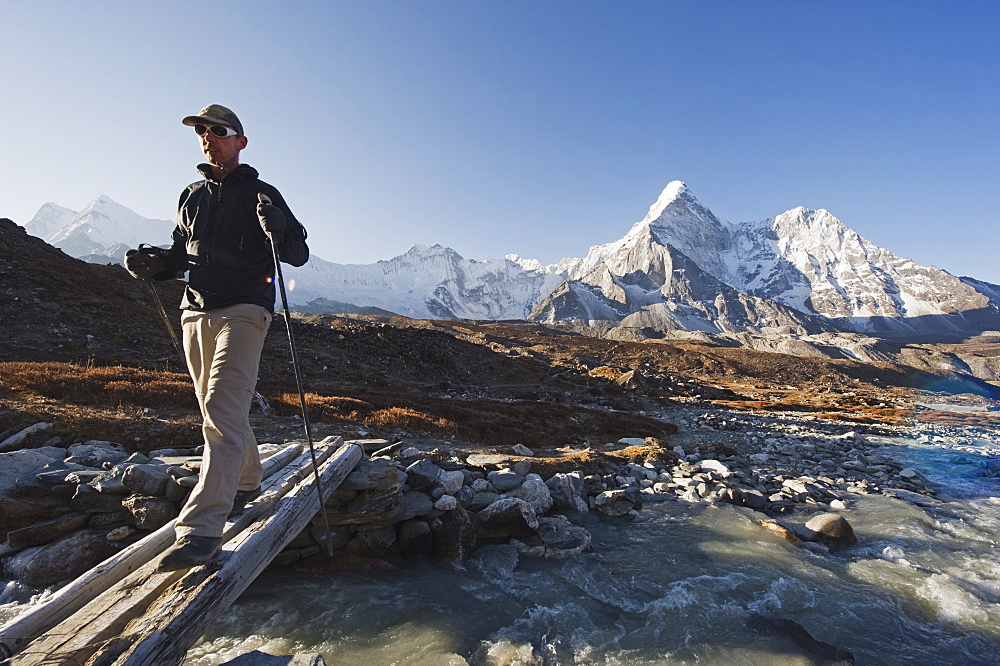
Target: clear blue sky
{"x": 539, "y": 128}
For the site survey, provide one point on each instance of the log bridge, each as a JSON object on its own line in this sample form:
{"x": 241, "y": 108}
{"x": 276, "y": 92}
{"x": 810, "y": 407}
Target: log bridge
{"x": 124, "y": 612}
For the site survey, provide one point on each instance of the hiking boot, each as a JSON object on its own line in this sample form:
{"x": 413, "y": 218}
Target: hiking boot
{"x": 243, "y": 497}
{"x": 189, "y": 551}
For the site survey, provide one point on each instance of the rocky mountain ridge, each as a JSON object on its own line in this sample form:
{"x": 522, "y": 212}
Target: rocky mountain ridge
{"x": 679, "y": 270}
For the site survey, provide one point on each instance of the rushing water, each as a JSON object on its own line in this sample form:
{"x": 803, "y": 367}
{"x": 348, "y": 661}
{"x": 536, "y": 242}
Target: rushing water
{"x": 682, "y": 584}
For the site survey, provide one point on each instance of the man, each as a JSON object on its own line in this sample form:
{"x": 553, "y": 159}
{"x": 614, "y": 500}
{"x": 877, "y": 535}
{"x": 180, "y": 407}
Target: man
{"x": 222, "y": 238}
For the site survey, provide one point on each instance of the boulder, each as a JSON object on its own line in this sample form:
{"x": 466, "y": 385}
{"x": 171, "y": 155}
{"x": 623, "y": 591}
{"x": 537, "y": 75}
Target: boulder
{"x": 149, "y": 513}
{"x": 504, "y": 480}
{"x": 830, "y": 529}
{"x": 47, "y": 531}
{"x": 415, "y": 504}
{"x": 507, "y": 517}
{"x": 568, "y": 491}
{"x": 379, "y": 539}
{"x": 95, "y": 453}
{"x": 451, "y": 482}
{"x": 522, "y": 450}
{"x": 415, "y": 538}
{"x": 145, "y": 479}
{"x": 482, "y": 500}
{"x": 614, "y": 502}
{"x": 534, "y": 492}
{"x": 446, "y": 503}
{"x": 63, "y": 559}
{"x": 32, "y": 436}
{"x": 454, "y": 536}
{"x": 374, "y": 474}
{"x": 422, "y": 474}
{"x": 556, "y": 539}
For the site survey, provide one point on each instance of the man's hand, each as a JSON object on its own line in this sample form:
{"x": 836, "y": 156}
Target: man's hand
{"x": 142, "y": 265}
{"x": 272, "y": 220}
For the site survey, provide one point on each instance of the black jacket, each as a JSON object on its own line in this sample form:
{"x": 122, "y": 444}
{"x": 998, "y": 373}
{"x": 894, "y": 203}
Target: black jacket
{"x": 219, "y": 239}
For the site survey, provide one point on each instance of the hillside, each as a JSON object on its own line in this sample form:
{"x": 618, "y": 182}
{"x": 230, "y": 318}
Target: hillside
{"x": 484, "y": 383}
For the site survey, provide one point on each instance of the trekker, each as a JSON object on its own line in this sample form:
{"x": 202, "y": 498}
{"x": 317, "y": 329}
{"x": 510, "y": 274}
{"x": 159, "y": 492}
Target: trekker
{"x": 227, "y": 307}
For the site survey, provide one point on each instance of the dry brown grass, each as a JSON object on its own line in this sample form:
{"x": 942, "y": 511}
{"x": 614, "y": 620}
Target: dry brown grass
{"x": 487, "y": 422}
{"x": 100, "y": 386}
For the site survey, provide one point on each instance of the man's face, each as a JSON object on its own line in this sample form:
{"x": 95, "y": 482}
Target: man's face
{"x": 222, "y": 151}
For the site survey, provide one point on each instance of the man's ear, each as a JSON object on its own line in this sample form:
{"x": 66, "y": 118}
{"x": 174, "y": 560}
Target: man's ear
{"x": 241, "y": 141}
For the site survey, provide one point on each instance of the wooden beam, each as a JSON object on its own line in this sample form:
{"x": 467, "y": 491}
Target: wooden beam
{"x": 79, "y": 634}
{"x": 172, "y": 624}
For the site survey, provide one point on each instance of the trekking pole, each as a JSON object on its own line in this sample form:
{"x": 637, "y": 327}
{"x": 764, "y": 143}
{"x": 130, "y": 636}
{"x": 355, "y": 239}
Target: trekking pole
{"x": 166, "y": 321}
{"x": 326, "y": 539}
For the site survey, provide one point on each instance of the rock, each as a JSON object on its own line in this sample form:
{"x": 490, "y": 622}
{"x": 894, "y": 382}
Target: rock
{"x": 64, "y": 559}
{"x": 487, "y": 459}
{"x": 446, "y": 503}
{"x": 258, "y": 658}
{"x": 830, "y": 529}
{"x": 409, "y": 452}
{"x": 415, "y": 538}
{"x": 107, "y": 519}
{"x": 522, "y": 450}
{"x": 819, "y": 652}
{"x": 557, "y": 538}
{"x": 371, "y": 445}
{"x": 337, "y": 535}
{"x": 521, "y": 467}
{"x": 174, "y": 491}
{"x": 534, "y": 492}
{"x": 506, "y": 517}
{"x": 373, "y": 474}
{"x": 717, "y": 467}
{"x": 87, "y": 498}
{"x": 414, "y": 504}
{"x": 614, "y": 502}
{"x": 95, "y": 453}
{"x": 120, "y": 533}
{"x": 145, "y": 479}
{"x": 22, "y": 439}
{"x": 465, "y": 495}
{"x": 482, "y": 500}
{"x": 17, "y": 470}
{"x": 378, "y": 539}
{"x": 44, "y": 532}
{"x": 482, "y": 486}
{"x": 454, "y": 536}
{"x": 505, "y": 480}
{"x": 568, "y": 491}
{"x": 451, "y": 482}
{"x": 632, "y": 441}
{"x": 422, "y": 474}
{"x": 149, "y": 513}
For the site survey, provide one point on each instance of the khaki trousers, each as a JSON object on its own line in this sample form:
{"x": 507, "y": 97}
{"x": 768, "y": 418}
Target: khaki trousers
{"x": 223, "y": 355}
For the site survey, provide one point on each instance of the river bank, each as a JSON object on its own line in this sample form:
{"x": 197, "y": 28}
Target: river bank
{"x": 687, "y": 572}
{"x": 683, "y": 581}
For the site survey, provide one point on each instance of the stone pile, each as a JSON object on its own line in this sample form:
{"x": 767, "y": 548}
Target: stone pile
{"x": 64, "y": 510}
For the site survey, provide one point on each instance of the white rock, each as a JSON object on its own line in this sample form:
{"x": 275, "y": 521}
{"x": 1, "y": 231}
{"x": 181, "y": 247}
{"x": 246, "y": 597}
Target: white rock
{"x": 446, "y": 503}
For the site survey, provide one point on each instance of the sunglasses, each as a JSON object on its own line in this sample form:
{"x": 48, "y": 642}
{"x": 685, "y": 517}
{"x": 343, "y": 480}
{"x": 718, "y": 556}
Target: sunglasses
{"x": 220, "y": 131}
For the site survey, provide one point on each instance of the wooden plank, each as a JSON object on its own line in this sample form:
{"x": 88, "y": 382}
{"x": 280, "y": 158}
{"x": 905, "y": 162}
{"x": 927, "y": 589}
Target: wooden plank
{"x": 33, "y": 622}
{"x": 172, "y": 624}
{"x": 103, "y": 618}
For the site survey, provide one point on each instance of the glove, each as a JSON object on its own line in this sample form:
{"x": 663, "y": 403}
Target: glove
{"x": 272, "y": 221}
{"x": 143, "y": 265}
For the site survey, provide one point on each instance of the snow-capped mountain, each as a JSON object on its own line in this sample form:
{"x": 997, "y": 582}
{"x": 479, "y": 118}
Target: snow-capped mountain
{"x": 101, "y": 232}
{"x": 427, "y": 282}
{"x": 807, "y": 260}
{"x": 679, "y": 268}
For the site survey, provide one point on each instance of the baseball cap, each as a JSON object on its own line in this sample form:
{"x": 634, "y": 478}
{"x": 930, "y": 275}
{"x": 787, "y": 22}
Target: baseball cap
{"x": 215, "y": 114}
